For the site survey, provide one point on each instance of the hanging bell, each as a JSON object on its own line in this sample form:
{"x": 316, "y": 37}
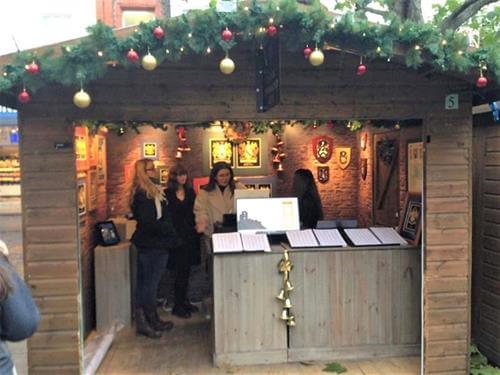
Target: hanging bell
{"x": 284, "y": 315}
{"x": 288, "y": 286}
{"x": 282, "y": 155}
{"x": 280, "y": 168}
{"x": 281, "y": 296}
{"x": 178, "y": 155}
{"x": 275, "y": 149}
{"x": 186, "y": 148}
{"x": 276, "y": 158}
{"x": 280, "y": 143}
{"x": 288, "y": 303}
{"x": 291, "y": 321}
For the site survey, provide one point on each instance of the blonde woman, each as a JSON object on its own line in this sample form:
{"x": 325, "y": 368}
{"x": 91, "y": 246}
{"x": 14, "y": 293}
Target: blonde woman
{"x": 154, "y": 237}
{"x": 19, "y": 315}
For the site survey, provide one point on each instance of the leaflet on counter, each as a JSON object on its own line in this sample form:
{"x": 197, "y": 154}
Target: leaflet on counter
{"x": 239, "y": 242}
{"x": 315, "y": 238}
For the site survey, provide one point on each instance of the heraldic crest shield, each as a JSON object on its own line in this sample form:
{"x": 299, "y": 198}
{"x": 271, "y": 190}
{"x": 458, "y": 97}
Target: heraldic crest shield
{"x": 322, "y": 148}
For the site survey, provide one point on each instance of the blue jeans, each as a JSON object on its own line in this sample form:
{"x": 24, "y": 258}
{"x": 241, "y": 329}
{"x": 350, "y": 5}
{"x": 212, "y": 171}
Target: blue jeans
{"x": 150, "y": 267}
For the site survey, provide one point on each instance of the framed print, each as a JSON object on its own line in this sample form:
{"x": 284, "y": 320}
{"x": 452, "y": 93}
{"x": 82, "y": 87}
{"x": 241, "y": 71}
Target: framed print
{"x": 92, "y": 150}
{"x": 150, "y": 150}
{"x": 82, "y": 196}
{"x": 93, "y": 190}
{"x": 220, "y": 150}
{"x": 101, "y": 159}
{"x": 248, "y": 154}
{"x": 80, "y": 147}
{"x": 107, "y": 234}
{"x": 415, "y": 166}
{"x": 411, "y": 220}
{"x": 163, "y": 174}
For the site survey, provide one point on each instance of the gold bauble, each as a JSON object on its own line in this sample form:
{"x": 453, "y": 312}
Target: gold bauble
{"x": 316, "y": 58}
{"x": 149, "y": 62}
{"x": 81, "y": 99}
{"x": 226, "y": 66}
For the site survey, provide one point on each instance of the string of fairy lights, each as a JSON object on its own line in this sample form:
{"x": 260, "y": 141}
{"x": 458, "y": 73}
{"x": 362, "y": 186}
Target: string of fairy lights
{"x": 203, "y": 32}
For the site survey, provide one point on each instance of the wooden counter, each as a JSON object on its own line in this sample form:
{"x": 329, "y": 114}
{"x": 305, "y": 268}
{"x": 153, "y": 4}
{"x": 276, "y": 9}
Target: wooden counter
{"x": 348, "y": 303}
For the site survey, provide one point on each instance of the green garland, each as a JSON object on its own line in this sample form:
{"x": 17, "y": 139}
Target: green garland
{"x": 200, "y": 31}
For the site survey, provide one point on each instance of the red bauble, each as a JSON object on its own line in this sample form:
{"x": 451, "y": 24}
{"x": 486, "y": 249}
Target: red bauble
{"x": 481, "y": 82}
{"x": 272, "y": 30}
{"x": 307, "y": 52}
{"x": 132, "y": 56}
{"x": 33, "y": 68}
{"x": 361, "y": 69}
{"x": 158, "y": 32}
{"x": 24, "y": 96}
{"x": 227, "y": 35}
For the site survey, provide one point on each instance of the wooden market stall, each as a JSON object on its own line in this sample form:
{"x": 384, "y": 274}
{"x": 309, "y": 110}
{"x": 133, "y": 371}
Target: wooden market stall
{"x": 193, "y": 91}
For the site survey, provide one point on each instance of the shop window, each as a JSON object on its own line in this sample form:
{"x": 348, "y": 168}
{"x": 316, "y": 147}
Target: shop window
{"x": 135, "y": 17}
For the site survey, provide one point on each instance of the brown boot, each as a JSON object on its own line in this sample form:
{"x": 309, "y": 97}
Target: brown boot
{"x": 154, "y": 319}
{"x": 142, "y": 326}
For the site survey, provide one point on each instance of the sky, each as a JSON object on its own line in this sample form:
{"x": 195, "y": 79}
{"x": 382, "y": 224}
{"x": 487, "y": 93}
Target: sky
{"x": 34, "y": 23}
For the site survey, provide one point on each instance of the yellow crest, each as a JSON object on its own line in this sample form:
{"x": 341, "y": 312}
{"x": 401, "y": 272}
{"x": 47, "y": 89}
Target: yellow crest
{"x": 343, "y": 156}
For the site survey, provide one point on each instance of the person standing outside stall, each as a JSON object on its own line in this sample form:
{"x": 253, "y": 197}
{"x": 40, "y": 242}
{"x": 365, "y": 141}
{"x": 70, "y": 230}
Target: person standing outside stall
{"x": 19, "y": 316}
{"x": 181, "y": 196}
{"x": 154, "y": 237}
{"x": 310, "y": 207}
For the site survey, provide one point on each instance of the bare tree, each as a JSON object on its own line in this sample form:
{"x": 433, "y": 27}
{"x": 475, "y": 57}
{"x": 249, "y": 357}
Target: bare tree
{"x": 465, "y": 11}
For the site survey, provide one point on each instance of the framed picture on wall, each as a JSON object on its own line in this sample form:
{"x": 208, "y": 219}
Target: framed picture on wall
{"x": 163, "y": 174}
{"x": 93, "y": 190}
{"x": 220, "y": 150}
{"x": 411, "y": 220}
{"x": 92, "y": 150}
{"x": 82, "y": 195}
{"x": 415, "y": 166}
{"x": 101, "y": 159}
{"x": 150, "y": 150}
{"x": 248, "y": 154}
{"x": 80, "y": 147}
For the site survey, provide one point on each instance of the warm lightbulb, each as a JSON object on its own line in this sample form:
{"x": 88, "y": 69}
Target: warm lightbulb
{"x": 209, "y": 50}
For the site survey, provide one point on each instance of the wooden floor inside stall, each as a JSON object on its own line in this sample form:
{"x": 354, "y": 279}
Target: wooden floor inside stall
{"x": 186, "y": 350}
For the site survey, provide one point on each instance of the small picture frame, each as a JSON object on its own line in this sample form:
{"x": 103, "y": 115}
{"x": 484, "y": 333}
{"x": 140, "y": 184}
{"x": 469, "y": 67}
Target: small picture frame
{"x": 106, "y": 233}
{"x": 82, "y": 197}
{"x": 150, "y": 150}
{"x": 411, "y": 220}
{"x": 163, "y": 175}
{"x": 92, "y": 190}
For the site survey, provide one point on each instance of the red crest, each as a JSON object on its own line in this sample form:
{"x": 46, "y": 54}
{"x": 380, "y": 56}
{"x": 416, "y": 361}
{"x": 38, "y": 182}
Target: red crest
{"x": 322, "y": 148}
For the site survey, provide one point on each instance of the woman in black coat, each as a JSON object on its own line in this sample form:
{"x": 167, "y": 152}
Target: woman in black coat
{"x": 310, "y": 208}
{"x": 154, "y": 237}
{"x": 181, "y": 196}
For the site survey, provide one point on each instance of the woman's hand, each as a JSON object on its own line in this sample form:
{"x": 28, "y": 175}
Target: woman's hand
{"x": 201, "y": 225}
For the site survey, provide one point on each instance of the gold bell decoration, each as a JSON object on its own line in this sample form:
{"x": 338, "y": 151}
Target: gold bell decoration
{"x": 226, "y": 65}
{"x": 81, "y": 99}
{"x": 149, "y": 62}
{"x": 278, "y": 153}
{"x": 285, "y": 266}
{"x": 317, "y": 57}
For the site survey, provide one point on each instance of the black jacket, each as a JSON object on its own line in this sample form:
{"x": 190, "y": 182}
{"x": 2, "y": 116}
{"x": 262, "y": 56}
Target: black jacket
{"x": 151, "y": 233}
{"x": 184, "y": 223}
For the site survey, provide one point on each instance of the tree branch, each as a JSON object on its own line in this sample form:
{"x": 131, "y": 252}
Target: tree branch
{"x": 376, "y": 11}
{"x": 465, "y": 11}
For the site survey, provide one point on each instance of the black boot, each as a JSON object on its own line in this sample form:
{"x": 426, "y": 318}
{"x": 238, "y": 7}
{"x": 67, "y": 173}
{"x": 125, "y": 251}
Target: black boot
{"x": 142, "y": 326}
{"x": 180, "y": 311}
{"x": 155, "y": 321}
{"x": 190, "y": 307}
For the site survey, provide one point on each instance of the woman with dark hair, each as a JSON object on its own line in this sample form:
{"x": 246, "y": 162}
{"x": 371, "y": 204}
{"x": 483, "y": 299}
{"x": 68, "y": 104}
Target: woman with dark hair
{"x": 154, "y": 237}
{"x": 19, "y": 315}
{"x": 215, "y": 198}
{"x": 180, "y": 196}
{"x": 304, "y": 188}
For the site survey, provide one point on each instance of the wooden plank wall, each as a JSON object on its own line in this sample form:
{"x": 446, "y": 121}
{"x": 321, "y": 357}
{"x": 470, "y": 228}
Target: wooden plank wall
{"x": 51, "y": 243}
{"x": 447, "y": 237}
{"x": 486, "y": 244}
{"x": 194, "y": 90}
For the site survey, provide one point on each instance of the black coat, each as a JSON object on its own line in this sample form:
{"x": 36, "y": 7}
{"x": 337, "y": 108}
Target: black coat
{"x": 184, "y": 223}
{"x": 310, "y": 211}
{"x": 151, "y": 233}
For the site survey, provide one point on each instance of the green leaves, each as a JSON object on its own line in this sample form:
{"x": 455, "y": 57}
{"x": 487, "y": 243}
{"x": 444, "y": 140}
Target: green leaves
{"x": 335, "y": 367}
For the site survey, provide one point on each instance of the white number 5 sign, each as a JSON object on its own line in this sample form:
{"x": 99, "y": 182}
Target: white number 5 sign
{"x": 451, "y": 101}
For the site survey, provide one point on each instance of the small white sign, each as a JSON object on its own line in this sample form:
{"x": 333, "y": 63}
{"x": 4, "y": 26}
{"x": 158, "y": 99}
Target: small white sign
{"x": 451, "y": 101}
